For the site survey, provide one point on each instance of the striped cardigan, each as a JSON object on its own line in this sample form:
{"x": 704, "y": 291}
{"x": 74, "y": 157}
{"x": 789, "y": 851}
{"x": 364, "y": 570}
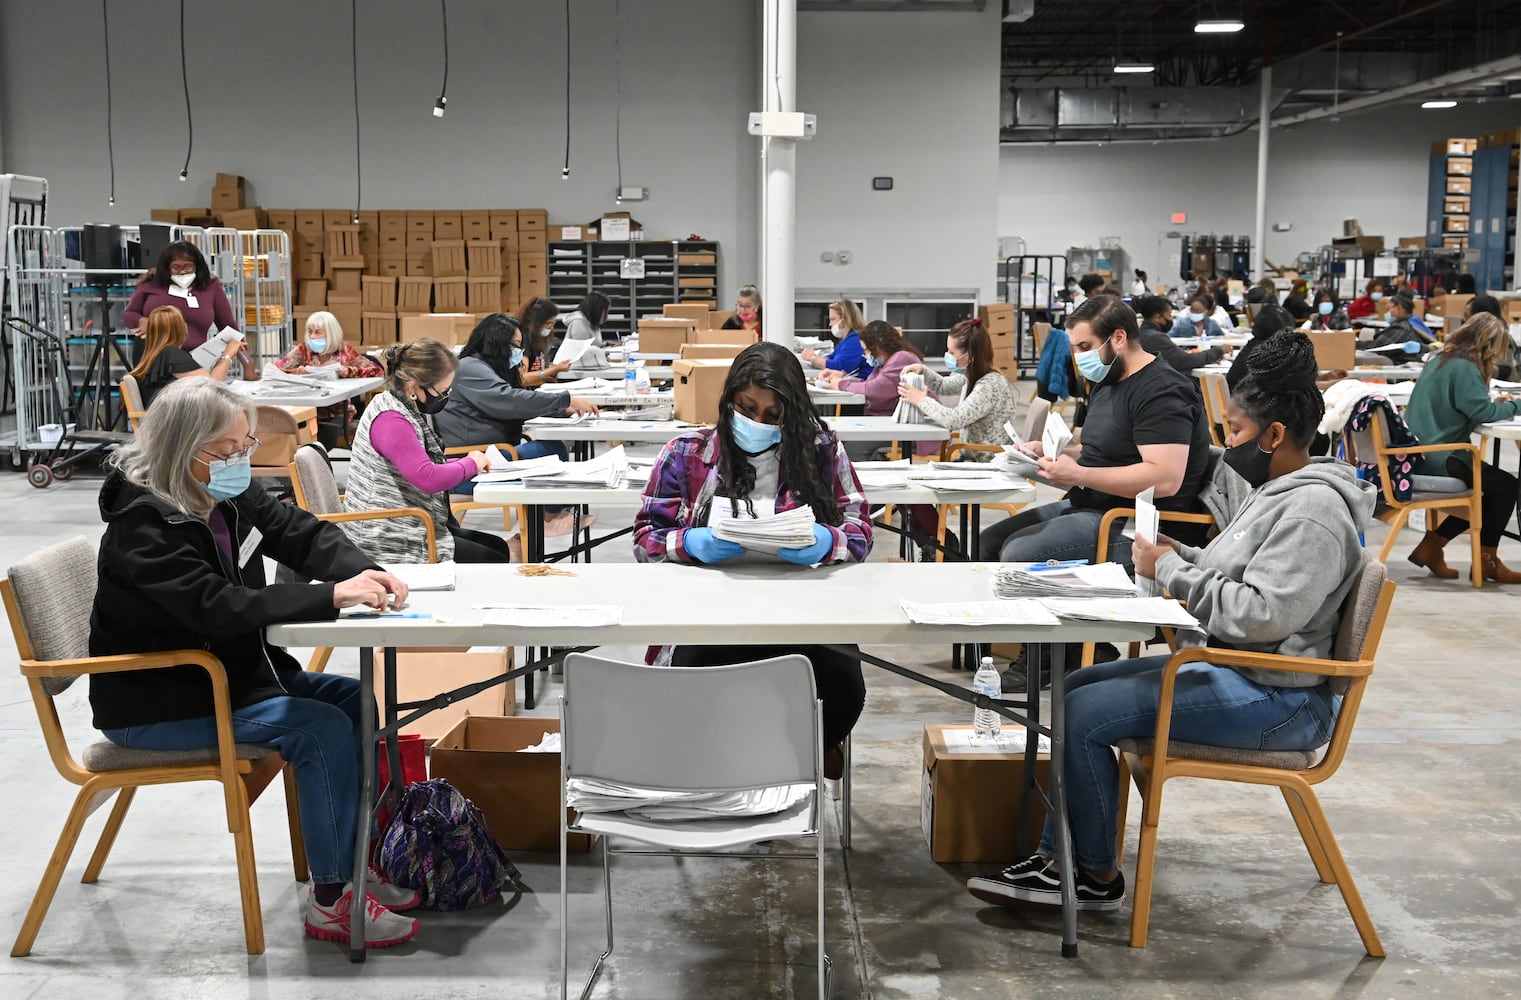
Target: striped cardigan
{"x": 376, "y": 484}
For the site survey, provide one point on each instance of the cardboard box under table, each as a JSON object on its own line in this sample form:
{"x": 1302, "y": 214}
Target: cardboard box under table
{"x": 424, "y": 673}
{"x": 969, "y": 801}
{"x": 518, "y": 793}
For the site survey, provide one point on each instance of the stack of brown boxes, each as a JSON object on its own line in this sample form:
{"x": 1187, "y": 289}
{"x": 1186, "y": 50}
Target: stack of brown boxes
{"x": 532, "y": 250}
{"x": 503, "y": 226}
{"x": 228, "y": 194}
{"x": 391, "y": 244}
{"x": 379, "y": 325}
{"x": 998, "y": 321}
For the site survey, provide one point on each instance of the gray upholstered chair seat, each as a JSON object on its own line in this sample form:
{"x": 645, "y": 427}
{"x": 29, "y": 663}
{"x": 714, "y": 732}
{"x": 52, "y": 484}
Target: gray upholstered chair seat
{"x": 1288, "y": 760}
{"x": 104, "y": 755}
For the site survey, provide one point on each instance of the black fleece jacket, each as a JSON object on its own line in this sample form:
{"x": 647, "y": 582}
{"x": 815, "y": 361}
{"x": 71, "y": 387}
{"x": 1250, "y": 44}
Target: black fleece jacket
{"x": 164, "y": 584}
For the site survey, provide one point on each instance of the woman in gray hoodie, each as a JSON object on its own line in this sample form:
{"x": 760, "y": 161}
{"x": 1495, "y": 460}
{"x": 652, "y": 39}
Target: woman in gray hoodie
{"x": 1273, "y": 581}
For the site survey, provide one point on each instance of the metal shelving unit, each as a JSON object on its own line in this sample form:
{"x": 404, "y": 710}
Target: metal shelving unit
{"x": 254, "y": 269}
{"x": 1033, "y": 284}
{"x": 576, "y": 268}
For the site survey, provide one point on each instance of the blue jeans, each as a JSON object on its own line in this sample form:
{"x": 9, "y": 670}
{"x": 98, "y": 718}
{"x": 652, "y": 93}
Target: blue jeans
{"x": 526, "y": 450}
{"x": 316, "y": 729}
{"x": 1052, "y": 531}
{"x": 1212, "y": 705}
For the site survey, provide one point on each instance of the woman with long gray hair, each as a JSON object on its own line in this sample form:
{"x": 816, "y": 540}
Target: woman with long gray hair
{"x": 182, "y": 567}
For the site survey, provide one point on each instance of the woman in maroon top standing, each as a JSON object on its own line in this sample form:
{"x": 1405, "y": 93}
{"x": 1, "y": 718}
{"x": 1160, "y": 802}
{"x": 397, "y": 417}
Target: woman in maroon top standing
{"x": 182, "y": 279}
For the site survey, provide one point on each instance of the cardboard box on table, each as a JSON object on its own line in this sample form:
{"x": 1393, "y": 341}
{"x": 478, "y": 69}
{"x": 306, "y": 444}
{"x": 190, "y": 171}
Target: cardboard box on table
{"x": 997, "y": 317}
{"x": 711, "y": 351}
{"x": 700, "y": 315}
{"x": 449, "y": 329}
{"x": 1450, "y": 306}
{"x": 1334, "y": 349}
{"x": 698, "y": 386}
{"x": 423, "y": 673}
{"x": 969, "y": 802}
{"x": 517, "y": 793}
{"x": 743, "y": 338}
{"x": 664, "y": 336}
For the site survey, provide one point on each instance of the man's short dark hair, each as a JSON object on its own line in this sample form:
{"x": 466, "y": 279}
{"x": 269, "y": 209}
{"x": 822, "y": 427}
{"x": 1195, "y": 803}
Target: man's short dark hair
{"x": 1091, "y": 283}
{"x": 1152, "y": 306}
{"x": 1106, "y": 314}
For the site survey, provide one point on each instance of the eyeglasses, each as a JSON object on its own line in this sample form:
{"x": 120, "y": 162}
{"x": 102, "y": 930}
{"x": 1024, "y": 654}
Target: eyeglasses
{"x": 251, "y": 445}
{"x": 438, "y": 395}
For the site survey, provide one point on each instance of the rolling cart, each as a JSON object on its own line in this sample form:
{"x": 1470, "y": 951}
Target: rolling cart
{"x": 51, "y": 392}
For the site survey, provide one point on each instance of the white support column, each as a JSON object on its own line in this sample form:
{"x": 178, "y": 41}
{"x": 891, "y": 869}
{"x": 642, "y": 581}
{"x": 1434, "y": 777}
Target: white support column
{"x": 1264, "y": 125}
{"x": 779, "y": 174}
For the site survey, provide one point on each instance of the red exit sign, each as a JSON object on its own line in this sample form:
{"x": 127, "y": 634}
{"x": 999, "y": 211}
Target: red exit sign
{"x": 1178, "y": 218}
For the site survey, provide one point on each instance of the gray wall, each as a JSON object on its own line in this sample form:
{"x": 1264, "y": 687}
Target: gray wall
{"x": 1372, "y": 167}
{"x": 271, "y": 91}
{"x": 913, "y": 96}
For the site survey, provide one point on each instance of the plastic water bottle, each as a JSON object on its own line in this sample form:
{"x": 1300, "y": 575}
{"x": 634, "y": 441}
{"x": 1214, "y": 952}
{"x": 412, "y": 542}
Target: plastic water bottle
{"x": 630, "y": 372}
{"x": 985, "y": 721}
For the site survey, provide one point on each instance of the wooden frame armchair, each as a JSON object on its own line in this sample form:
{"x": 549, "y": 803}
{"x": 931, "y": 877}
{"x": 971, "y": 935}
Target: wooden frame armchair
{"x": 132, "y": 399}
{"x": 1469, "y": 503}
{"x": 1152, "y": 762}
{"x": 48, "y": 598}
{"x": 1216, "y": 391}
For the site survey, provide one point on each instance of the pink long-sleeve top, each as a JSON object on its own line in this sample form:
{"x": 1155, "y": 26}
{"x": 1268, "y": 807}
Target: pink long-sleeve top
{"x": 211, "y": 306}
{"x": 396, "y": 441}
{"x": 881, "y": 387}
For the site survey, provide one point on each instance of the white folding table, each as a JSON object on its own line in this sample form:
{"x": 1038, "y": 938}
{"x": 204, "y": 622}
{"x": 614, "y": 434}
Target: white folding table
{"x": 585, "y": 432}
{"x": 278, "y": 393}
{"x": 672, "y": 604}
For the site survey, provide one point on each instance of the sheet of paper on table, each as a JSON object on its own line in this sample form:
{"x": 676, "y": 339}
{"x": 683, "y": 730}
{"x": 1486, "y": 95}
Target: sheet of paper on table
{"x": 1011, "y": 739}
{"x": 500, "y": 468}
{"x": 553, "y": 616}
{"x": 1015, "y": 612}
{"x": 424, "y": 576}
{"x": 1105, "y": 580}
{"x": 1137, "y": 610}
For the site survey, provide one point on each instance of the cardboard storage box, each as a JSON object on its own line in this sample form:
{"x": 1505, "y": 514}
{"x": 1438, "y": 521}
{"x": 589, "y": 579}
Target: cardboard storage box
{"x": 476, "y": 226}
{"x": 969, "y": 802}
{"x": 448, "y": 226}
{"x": 1450, "y": 306}
{"x": 414, "y": 295}
{"x": 169, "y": 215}
{"x": 504, "y": 223}
{"x": 448, "y": 329}
{"x": 448, "y": 258}
{"x": 377, "y": 329}
{"x": 378, "y": 293}
{"x": 744, "y": 338}
{"x": 308, "y": 220}
{"x": 703, "y": 258}
{"x": 391, "y": 267}
{"x": 711, "y": 350}
{"x": 1334, "y": 349}
{"x": 532, "y": 220}
{"x": 698, "y": 386}
{"x": 244, "y": 218}
{"x": 664, "y": 336}
{"x": 1460, "y": 185}
{"x": 998, "y": 317}
{"x": 393, "y": 225}
{"x": 314, "y": 292}
{"x": 567, "y": 234}
{"x": 1366, "y": 244}
{"x": 226, "y": 199}
{"x": 484, "y": 259}
{"x": 420, "y": 223}
{"x": 449, "y": 294}
{"x": 424, "y": 673}
{"x": 518, "y": 793}
{"x": 532, "y": 242}
{"x": 699, "y": 315}
{"x": 348, "y": 314}
{"x": 483, "y": 295}
{"x": 345, "y": 281}
{"x": 187, "y": 215}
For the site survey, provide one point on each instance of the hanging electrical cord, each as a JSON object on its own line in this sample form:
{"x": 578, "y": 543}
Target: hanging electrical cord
{"x": 440, "y": 105}
{"x": 105, "y": 22}
{"x": 185, "y": 85}
{"x": 565, "y": 171}
{"x": 618, "y": 88}
{"x": 354, "y": 65}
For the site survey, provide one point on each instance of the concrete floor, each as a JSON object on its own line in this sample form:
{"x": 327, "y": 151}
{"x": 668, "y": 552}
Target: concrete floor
{"x": 1426, "y": 808}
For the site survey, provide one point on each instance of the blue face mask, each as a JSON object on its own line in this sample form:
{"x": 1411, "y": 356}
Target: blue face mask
{"x": 1196, "y": 317}
{"x": 1375, "y": 296}
{"x": 873, "y": 361}
{"x": 1091, "y": 366}
{"x": 751, "y": 436}
{"x": 950, "y": 362}
{"x": 229, "y": 477}
{"x": 516, "y": 358}
{"x": 316, "y": 345}
{"x": 1326, "y": 308}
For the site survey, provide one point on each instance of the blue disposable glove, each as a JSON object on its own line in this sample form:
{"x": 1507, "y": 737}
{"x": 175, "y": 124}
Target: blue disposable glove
{"x": 823, "y": 544}
{"x": 702, "y": 546}
{"x": 1411, "y": 347}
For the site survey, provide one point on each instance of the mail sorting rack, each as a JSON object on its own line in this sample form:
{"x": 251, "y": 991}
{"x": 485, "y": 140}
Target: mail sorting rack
{"x": 23, "y": 202}
{"x": 254, "y": 268}
{"x": 82, "y": 310}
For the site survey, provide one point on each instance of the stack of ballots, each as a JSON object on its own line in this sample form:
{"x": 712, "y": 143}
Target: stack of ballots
{"x": 609, "y": 470}
{"x": 1105, "y": 580}
{"x": 906, "y": 413}
{"x": 593, "y": 795}
{"x": 767, "y": 531}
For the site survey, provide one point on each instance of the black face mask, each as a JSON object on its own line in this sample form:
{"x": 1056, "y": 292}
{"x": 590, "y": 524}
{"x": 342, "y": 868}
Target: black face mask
{"x": 1250, "y": 462}
{"x": 432, "y": 403}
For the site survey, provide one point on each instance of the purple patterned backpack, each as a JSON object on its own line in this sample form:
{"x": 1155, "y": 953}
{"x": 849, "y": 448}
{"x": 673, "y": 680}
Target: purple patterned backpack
{"x": 438, "y": 844}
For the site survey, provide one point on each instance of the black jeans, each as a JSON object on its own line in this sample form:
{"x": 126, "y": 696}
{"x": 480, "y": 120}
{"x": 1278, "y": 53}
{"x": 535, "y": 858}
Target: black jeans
{"x": 1497, "y": 504}
{"x": 471, "y": 546}
{"x": 836, "y": 675}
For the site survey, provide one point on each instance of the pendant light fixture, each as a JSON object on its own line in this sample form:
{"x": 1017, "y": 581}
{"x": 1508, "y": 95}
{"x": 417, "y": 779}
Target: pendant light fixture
{"x": 441, "y": 105}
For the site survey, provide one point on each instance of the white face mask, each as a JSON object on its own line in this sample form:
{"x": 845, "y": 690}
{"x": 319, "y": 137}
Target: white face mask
{"x": 183, "y": 280}
{"x": 838, "y": 329}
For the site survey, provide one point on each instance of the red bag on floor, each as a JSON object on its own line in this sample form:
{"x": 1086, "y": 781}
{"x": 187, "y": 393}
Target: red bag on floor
{"x": 414, "y": 767}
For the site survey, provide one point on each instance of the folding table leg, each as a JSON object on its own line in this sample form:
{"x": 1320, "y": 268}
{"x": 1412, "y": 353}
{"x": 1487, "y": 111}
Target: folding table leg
{"x": 366, "y": 797}
{"x": 1059, "y": 801}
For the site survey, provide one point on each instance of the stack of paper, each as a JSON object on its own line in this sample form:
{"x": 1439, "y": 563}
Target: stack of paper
{"x": 1140, "y": 610}
{"x": 424, "y": 576}
{"x": 586, "y": 385}
{"x": 906, "y": 414}
{"x": 274, "y": 382}
{"x": 325, "y": 372}
{"x": 1019, "y": 612}
{"x": 593, "y": 795}
{"x": 1056, "y": 436}
{"x": 1106, "y": 580}
{"x": 766, "y": 531}
{"x": 501, "y": 469}
{"x": 609, "y": 470}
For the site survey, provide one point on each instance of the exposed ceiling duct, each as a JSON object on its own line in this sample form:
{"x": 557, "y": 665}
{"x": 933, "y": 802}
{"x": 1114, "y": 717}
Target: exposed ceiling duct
{"x": 1057, "y": 114}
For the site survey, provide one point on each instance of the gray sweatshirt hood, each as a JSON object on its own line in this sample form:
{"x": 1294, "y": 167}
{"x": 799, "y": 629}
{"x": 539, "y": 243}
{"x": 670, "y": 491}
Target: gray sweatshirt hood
{"x": 1359, "y": 495}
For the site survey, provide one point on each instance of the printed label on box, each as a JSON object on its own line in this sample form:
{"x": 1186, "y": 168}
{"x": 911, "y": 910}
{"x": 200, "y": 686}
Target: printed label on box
{"x": 570, "y": 232}
{"x": 631, "y": 267}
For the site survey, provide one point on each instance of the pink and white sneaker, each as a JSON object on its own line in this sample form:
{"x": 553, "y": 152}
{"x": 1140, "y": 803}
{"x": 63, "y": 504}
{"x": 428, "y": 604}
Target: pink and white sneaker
{"x": 393, "y": 897}
{"x": 382, "y": 928}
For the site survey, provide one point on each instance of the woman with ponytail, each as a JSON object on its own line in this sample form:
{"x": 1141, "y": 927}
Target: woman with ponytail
{"x": 398, "y": 461}
{"x": 1273, "y": 581}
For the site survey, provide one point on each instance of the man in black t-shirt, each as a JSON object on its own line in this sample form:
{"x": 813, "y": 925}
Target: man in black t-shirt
{"x": 1145, "y": 428}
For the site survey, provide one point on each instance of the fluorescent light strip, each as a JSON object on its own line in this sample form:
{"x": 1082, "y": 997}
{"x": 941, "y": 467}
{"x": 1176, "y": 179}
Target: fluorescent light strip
{"x": 1218, "y": 27}
{"x": 1134, "y": 68}
{"x": 1430, "y": 105}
